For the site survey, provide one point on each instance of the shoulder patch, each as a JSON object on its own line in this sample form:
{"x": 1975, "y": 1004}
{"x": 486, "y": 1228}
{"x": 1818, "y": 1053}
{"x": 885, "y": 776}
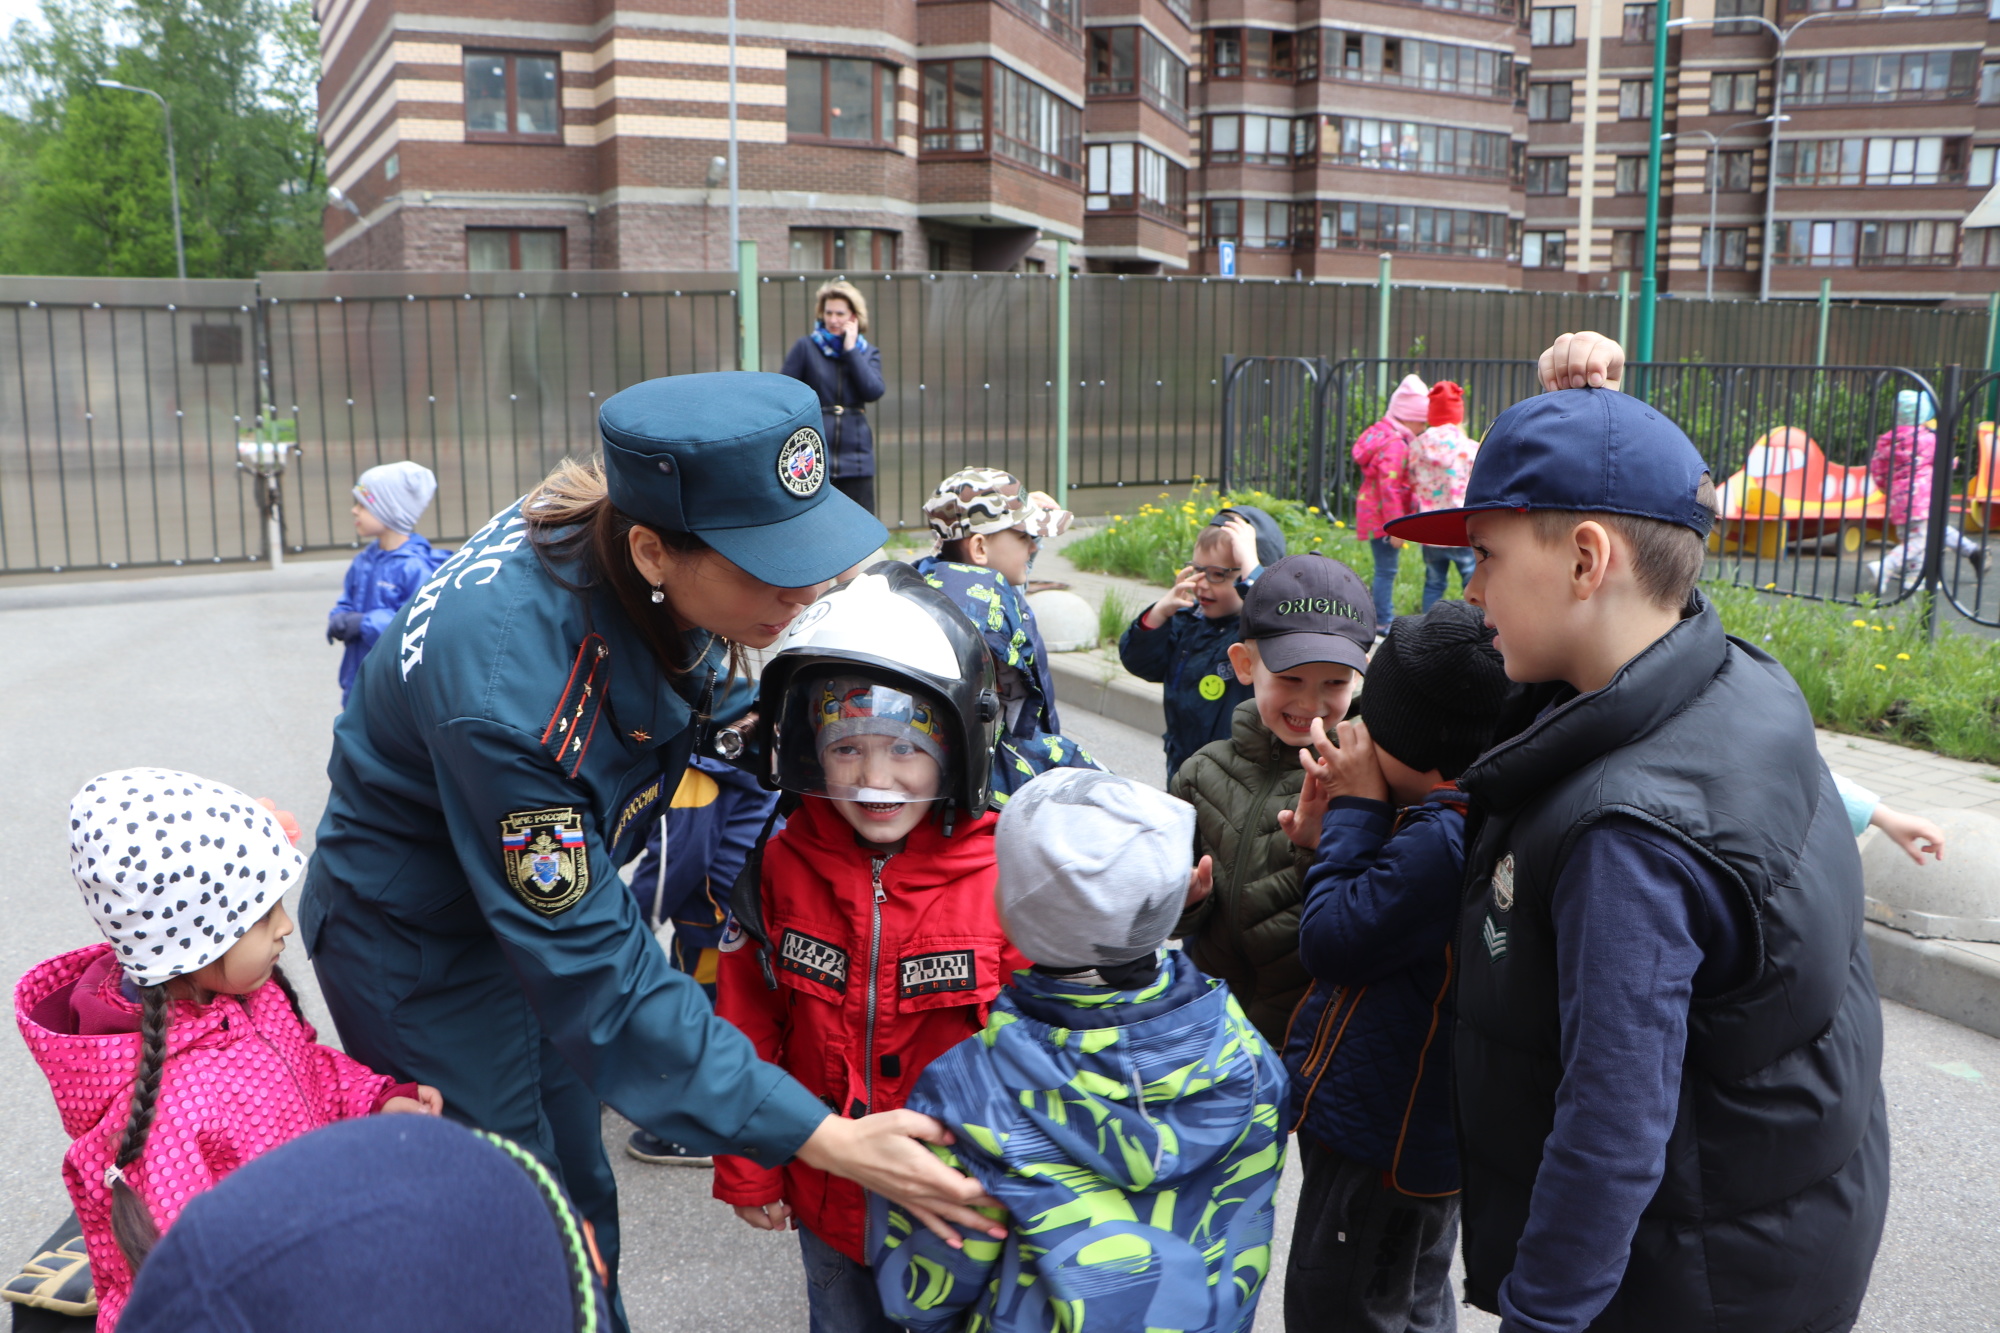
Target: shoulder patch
{"x": 543, "y": 855}
{"x": 1503, "y": 883}
{"x": 566, "y": 739}
{"x": 813, "y": 959}
{"x": 931, "y": 973}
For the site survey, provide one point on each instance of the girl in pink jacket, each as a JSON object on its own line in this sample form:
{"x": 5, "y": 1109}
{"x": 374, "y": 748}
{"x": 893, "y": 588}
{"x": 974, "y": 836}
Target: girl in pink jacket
{"x": 175, "y": 1050}
{"x": 1384, "y": 496}
{"x": 1903, "y": 468}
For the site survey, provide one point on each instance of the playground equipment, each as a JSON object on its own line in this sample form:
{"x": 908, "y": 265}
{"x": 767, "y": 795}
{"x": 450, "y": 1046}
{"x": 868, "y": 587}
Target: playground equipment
{"x": 1787, "y": 492}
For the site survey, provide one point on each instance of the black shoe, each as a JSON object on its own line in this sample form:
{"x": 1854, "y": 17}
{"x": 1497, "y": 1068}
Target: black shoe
{"x": 650, "y": 1148}
{"x": 55, "y": 1283}
{"x": 1979, "y": 560}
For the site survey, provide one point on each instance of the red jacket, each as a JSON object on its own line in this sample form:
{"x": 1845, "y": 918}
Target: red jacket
{"x": 939, "y": 958}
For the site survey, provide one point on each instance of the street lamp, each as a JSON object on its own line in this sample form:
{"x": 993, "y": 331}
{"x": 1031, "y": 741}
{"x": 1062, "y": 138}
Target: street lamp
{"x": 173, "y": 174}
{"x": 1714, "y": 169}
{"x": 1782, "y": 36}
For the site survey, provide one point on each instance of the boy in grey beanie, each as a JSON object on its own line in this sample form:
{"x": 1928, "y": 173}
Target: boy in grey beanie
{"x": 1117, "y": 1098}
{"x": 388, "y": 500}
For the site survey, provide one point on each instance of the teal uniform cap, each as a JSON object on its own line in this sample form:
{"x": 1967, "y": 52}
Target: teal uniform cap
{"x": 736, "y": 458}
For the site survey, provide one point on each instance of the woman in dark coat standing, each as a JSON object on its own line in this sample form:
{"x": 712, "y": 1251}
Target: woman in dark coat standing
{"x": 845, "y": 370}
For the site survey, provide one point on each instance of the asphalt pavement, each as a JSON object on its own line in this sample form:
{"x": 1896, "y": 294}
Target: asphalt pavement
{"x": 228, "y": 675}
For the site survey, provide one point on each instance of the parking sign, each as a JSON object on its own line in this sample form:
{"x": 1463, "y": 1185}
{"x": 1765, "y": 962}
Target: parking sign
{"x": 1225, "y": 254}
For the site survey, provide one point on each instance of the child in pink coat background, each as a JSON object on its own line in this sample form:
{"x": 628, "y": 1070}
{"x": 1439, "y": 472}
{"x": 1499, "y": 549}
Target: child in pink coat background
{"x": 175, "y": 1050}
{"x": 1384, "y": 496}
{"x": 1903, "y": 467}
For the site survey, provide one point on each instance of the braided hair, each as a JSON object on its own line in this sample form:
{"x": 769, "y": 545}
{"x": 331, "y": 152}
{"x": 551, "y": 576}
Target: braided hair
{"x": 132, "y": 1224}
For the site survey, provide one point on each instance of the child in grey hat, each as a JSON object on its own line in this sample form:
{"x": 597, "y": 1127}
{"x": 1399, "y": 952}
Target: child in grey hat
{"x": 1112, "y": 1074}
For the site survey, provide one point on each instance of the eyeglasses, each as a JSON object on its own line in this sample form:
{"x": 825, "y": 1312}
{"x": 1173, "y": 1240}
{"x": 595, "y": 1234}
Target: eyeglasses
{"x": 1217, "y": 573}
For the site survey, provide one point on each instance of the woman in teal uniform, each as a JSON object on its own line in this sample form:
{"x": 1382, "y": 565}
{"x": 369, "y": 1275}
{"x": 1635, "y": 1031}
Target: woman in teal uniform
{"x": 506, "y": 748}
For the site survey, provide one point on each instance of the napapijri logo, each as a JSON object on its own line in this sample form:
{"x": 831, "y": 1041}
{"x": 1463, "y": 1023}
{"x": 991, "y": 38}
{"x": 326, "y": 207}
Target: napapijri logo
{"x": 930, "y": 973}
{"x": 815, "y": 960}
{"x": 1317, "y": 606}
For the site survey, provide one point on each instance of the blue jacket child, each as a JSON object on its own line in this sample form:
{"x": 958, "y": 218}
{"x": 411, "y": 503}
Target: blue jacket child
{"x": 1120, "y": 1107}
{"x": 389, "y": 499}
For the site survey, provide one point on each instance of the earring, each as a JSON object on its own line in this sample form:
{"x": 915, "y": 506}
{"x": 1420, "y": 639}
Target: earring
{"x": 658, "y": 596}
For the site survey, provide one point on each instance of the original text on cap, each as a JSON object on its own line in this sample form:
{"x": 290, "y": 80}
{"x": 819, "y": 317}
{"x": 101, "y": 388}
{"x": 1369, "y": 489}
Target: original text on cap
{"x": 802, "y": 462}
{"x": 1316, "y": 606}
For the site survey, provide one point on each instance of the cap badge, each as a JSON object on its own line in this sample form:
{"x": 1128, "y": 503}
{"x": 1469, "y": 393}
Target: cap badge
{"x": 802, "y": 462}
{"x": 1503, "y": 883}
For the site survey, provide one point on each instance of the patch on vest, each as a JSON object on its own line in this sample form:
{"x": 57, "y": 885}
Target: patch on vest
{"x": 1503, "y": 883}
{"x": 1496, "y": 940}
{"x": 815, "y": 960}
{"x": 930, "y": 973}
{"x": 543, "y": 856}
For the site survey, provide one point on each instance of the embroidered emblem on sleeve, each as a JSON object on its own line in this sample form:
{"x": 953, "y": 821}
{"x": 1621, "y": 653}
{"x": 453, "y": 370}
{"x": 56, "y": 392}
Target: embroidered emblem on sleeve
{"x": 543, "y": 855}
{"x": 1495, "y": 938}
{"x": 813, "y": 959}
{"x": 1503, "y": 884}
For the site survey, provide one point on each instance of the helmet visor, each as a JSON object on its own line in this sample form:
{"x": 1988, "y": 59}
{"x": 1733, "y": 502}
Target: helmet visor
{"x": 852, "y": 738}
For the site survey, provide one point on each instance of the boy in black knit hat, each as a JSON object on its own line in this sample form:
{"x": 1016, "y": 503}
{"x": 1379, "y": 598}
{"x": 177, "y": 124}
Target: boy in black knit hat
{"x": 1369, "y": 1048}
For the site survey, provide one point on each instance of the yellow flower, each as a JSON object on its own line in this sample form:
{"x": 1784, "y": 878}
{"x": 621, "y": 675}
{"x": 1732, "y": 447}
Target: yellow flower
{"x": 1880, "y": 667}
{"x": 1859, "y": 624}
{"x": 1338, "y": 524}
{"x": 1316, "y": 541}
{"x": 1902, "y": 657}
{"x": 1876, "y": 628}
{"x": 1312, "y": 509}
{"x": 1769, "y": 586}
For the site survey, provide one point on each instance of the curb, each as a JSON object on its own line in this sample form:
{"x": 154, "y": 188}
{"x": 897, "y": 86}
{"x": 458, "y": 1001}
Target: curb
{"x": 295, "y": 576}
{"x": 1098, "y": 685}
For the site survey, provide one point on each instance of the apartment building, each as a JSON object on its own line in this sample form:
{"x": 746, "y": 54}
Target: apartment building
{"x": 872, "y": 134}
{"x": 1892, "y": 120}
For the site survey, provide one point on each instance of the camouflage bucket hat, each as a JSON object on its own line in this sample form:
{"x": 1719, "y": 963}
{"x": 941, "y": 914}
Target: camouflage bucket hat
{"x": 985, "y": 500}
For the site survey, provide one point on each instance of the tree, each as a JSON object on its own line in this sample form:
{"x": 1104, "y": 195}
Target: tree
{"x": 83, "y": 171}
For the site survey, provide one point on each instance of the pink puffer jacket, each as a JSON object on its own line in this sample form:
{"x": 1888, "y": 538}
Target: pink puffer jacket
{"x": 243, "y": 1075}
{"x": 1383, "y": 452}
{"x": 1902, "y": 468}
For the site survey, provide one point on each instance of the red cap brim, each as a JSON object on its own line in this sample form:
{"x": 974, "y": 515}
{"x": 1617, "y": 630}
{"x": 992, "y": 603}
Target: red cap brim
{"x": 1439, "y": 527}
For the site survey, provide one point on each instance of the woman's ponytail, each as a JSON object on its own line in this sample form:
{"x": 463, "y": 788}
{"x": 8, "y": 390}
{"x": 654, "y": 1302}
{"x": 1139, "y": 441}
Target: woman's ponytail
{"x": 132, "y": 1224}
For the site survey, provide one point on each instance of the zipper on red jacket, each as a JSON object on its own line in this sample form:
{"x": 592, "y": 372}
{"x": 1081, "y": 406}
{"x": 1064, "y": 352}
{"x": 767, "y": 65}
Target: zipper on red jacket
{"x": 874, "y": 966}
{"x": 290, "y": 1072}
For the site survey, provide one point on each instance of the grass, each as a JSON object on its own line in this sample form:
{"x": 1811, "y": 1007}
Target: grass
{"x": 1113, "y": 615}
{"x": 1863, "y": 670}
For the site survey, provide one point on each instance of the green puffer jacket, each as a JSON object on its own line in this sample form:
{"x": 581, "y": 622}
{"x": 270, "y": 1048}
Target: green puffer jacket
{"x": 1247, "y": 931}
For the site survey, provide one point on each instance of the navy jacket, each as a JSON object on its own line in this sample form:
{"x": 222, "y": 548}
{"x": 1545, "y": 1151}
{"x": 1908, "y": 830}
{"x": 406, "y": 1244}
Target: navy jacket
{"x": 377, "y": 585}
{"x": 848, "y": 380}
{"x": 1190, "y": 656}
{"x": 1369, "y": 1050}
{"x": 694, "y": 854}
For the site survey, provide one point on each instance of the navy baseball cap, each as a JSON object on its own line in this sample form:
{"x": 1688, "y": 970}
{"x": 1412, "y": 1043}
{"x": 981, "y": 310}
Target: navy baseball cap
{"x": 736, "y": 458}
{"x": 1309, "y": 608}
{"x": 1597, "y": 451}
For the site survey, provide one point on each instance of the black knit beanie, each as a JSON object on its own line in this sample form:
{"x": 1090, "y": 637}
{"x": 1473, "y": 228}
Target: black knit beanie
{"x": 1435, "y": 689}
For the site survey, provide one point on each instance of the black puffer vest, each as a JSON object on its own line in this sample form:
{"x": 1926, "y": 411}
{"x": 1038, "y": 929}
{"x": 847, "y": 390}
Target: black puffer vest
{"x": 1777, "y": 1171}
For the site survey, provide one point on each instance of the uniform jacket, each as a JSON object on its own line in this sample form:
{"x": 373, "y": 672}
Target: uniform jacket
{"x": 1384, "y": 496}
{"x": 1031, "y": 742}
{"x": 1369, "y": 1051}
{"x": 377, "y": 585}
{"x": 848, "y": 380}
{"x": 1190, "y": 656}
{"x": 242, "y": 1076}
{"x": 1776, "y": 1172}
{"x": 693, "y": 856}
{"x": 1134, "y": 1138}
{"x": 855, "y": 990}
{"x": 503, "y": 755}
{"x": 1902, "y": 468}
{"x": 1440, "y": 463}
{"x": 1247, "y": 931}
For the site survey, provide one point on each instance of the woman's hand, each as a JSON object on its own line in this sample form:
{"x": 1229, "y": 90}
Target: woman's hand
{"x": 1582, "y": 360}
{"x": 1348, "y": 768}
{"x": 847, "y": 337}
{"x": 428, "y": 1101}
{"x": 1178, "y": 598}
{"x": 767, "y": 1216}
{"x": 885, "y": 1153}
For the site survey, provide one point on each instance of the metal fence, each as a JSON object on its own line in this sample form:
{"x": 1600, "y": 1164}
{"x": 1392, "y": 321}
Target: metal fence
{"x": 123, "y": 402}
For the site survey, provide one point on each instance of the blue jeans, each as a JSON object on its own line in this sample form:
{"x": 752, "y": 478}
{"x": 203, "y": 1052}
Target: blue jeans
{"x": 1387, "y": 556}
{"x": 1438, "y": 562}
{"x": 840, "y": 1294}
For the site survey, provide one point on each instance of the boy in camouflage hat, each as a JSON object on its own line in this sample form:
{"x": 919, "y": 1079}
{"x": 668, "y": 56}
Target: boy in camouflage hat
{"x": 988, "y": 530}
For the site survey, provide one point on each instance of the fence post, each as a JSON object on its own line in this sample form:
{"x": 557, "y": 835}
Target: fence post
{"x": 1382, "y": 330}
{"x": 1940, "y": 496}
{"x": 748, "y": 340}
{"x": 1624, "y": 306}
{"x": 1993, "y": 353}
{"x": 1062, "y": 373}
{"x": 1229, "y": 360}
{"x": 272, "y": 487}
{"x": 1316, "y": 487}
{"x": 1825, "y": 309}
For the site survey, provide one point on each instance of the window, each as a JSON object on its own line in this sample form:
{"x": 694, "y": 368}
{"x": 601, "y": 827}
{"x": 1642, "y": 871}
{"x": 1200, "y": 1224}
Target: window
{"x": 1261, "y": 53}
{"x": 1220, "y": 221}
{"x": 1735, "y": 8}
{"x": 512, "y": 96}
{"x": 1926, "y": 160}
{"x": 1981, "y": 174}
{"x": 1989, "y": 84}
{"x": 1635, "y": 99}
{"x": 838, "y": 249}
{"x": 1542, "y": 249}
{"x": 1125, "y": 177}
{"x": 1629, "y": 177}
{"x": 1553, "y": 27}
{"x": 498, "y": 249}
{"x": 1393, "y": 145}
{"x": 1728, "y": 169}
{"x": 1438, "y": 231}
{"x": 1254, "y": 224}
{"x": 1982, "y": 248}
{"x": 1735, "y": 247}
{"x": 1548, "y": 175}
{"x": 1626, "y": 247}
{"x": 1369, "y": 57}
{"x": 1638, "y": 24}
{"x": 1131, "y": 62}
{"x": 1870, "y": 243}
{"x": 1028, "y": 123}
{"x": 1732, "y": 92}
{"x": 839, "y": 101}
{"x": 1909, "y": 76}
{"x": 1277, "y": 140}
{"x": 1549, "y": 101}
{"x": 1058, "y": 17}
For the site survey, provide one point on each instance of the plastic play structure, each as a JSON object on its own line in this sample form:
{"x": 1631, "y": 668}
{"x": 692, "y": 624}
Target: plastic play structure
{"x": 1788, "y": 492}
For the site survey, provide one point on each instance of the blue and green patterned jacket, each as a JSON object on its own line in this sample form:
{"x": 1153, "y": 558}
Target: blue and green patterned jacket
{"x": 1134, "y": 1138}
{"x": 1032, "y": 743}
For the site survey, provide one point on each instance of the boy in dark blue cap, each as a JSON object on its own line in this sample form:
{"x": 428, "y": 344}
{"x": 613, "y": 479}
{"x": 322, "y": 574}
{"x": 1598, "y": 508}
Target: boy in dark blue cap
{"x": 1668, "y": 1057}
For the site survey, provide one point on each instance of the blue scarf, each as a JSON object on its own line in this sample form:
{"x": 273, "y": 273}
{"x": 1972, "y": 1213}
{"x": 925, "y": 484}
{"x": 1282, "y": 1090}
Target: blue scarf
{"x": 830, "y": 345}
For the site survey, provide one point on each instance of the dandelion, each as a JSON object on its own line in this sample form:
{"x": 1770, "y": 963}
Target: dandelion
{"x": 1312, "y": 509}
{"x": 1859, "y": 624}
{"x": 1876, "y": 628}
{"x": 1338, "y": 524}
{"x": 1769, "y": 587}
{"x": 1880, "y": 667}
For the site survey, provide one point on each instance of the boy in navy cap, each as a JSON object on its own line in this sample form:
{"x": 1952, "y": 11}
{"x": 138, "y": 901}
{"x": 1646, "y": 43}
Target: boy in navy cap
{"x": 1668, "y": 1056}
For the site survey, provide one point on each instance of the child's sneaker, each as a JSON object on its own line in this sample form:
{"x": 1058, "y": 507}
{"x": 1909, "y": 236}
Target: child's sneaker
{"x": 647, "y": 1147}
{"x": 58, "y": 1277}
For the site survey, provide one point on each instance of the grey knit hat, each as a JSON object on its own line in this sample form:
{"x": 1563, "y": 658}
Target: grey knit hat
{"x": 1093, "y": 868}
